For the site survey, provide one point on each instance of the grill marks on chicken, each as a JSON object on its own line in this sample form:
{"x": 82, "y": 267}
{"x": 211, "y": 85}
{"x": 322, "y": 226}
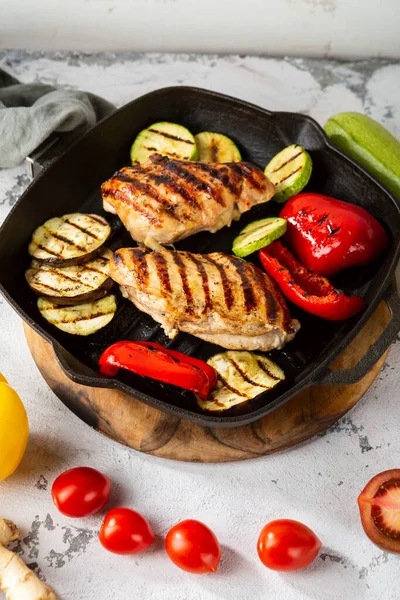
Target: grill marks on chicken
{"x": 224, "y": 281}
{"x": 204, "y": 280}
{"x": 216, "y": 297}
{"x": 166, "y": 200}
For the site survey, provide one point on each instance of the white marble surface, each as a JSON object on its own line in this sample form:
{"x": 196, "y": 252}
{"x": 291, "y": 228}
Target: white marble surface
{"x": 317, "y": 483}
{"x": 340, "y": 28}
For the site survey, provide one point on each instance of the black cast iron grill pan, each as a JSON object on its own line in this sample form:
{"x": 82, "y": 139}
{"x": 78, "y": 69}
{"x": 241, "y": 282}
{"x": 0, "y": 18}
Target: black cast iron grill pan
{"x": 72, "y": 184}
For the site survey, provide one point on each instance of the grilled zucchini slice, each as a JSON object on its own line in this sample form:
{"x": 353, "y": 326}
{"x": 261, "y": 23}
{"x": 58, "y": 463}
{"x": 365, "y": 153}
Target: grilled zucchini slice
{"x": 82, "y": 319}
{"x": 72, "y": 285}
{"x": 257, "y": 235}
{"x": 241, "y": 377}
{"x": 164, "y": 138}
{"x": 290, "y": 171}
{"x": 216, "y": 147}
{"x": 69, "y": 240}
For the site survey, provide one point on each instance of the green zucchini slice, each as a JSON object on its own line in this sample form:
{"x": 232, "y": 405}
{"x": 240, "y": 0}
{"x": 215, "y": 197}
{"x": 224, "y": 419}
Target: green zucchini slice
{"x": 257, "y": 235}
{"x": 82, "y": 319}
{"x": 168, "y": 139}
{"x": 72, "y": 285}
{"x": 69, "y": 240}
{"x": 290, "y": 171}
{"x": 241, "y": 377}
{"x": 216, "y": 147}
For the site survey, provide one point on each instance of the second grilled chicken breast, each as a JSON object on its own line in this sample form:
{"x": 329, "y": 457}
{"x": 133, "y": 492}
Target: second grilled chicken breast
{"x": 217, "y": 297}
{"x": 165, "y": 200}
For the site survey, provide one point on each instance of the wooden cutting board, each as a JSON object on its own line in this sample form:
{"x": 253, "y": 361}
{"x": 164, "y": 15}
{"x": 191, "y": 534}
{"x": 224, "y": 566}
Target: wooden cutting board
{"x": 148, "y": 430}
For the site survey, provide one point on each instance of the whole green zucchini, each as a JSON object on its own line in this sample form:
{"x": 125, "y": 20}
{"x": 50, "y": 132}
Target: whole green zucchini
{"x": 368, "y": 143}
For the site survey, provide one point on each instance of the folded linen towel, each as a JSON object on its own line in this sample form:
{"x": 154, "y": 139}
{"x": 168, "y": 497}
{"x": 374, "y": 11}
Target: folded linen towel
{"x": 30, "y": 113}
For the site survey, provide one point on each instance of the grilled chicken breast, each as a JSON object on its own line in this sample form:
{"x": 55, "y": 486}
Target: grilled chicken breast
{"x": 217, "y": 297}
{"x": 165, "y": 200}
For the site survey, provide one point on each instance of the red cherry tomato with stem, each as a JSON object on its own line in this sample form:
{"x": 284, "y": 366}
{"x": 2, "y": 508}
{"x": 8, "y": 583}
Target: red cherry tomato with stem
{"x": 286, "y": 545}
{"x": 80, "y": 492}
{"x": 193, "y": 547}
{"x": 125, "y": 531}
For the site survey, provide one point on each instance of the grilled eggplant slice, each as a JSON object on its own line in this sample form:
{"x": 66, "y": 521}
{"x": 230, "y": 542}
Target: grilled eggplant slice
{"x": 82, "y": 319}
{"x": 69, "y": 240}
{"x": 66, "y": 286}
{"x": 216, "y": 147}
{"x": 241, "y": 376}
{"x": 168, "y": 139}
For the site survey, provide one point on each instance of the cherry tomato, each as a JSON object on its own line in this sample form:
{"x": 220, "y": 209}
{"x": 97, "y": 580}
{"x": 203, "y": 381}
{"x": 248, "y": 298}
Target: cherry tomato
{"x": 193, "y": 547}
{"x": 80, "y": 492}
{"x": 125, "y": 531}
{"x": 379, "y": 505}
{"x": 286, "y": 545}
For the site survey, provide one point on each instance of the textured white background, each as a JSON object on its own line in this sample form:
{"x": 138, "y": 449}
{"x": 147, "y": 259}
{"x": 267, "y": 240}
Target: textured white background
{"x": 345, "y": 28}
{"x": 317, "y": 483}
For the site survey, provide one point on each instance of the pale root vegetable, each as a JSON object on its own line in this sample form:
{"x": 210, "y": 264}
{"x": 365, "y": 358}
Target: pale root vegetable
{"x": 17, "y": 581}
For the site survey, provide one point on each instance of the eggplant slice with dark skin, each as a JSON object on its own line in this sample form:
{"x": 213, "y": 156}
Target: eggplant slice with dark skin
{"x": 72, "y": 285}
{"x": 81, "y": 319}
{"x": 69, "y": 240}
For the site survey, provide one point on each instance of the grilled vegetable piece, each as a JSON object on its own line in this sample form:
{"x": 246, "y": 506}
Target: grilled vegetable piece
{"x": 69, "y": 240}
{"x": 368, "y": 143}
{"x": 82, "y": 319}
{"x": 241, "y": 376}
{"x": 166, "y": 200}
{"x": 152, "y": 360}
{"x": 216, "y": 147}
{"x": 329, "y": 235}
{"x": 306, "y": 289}
{"x": 290, "y": 171}
{"x": 257, "y": 235}
{"x": 164, "y": 138}
{"x": 72, "y": 285}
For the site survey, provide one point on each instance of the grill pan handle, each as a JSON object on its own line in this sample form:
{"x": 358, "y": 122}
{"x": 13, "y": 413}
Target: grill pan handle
{"x": 387, "y": 337}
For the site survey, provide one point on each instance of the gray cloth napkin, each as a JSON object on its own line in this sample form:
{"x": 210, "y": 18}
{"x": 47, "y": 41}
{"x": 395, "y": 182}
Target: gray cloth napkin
{"x": 30, "y": 113}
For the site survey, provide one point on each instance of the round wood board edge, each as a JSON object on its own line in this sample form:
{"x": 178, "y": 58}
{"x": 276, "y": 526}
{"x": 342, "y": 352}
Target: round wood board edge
{"x": 146, "y": 429}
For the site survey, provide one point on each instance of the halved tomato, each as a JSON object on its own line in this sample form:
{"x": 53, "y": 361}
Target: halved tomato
{"x": 379, "y": 505}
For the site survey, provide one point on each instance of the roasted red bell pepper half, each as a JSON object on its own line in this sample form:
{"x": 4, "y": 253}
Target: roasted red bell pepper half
{"x": 307, "y": 290}
{"x": 155, "y": 361}
{"x": 196, "y": 362}
{"x": 329, "y": 235}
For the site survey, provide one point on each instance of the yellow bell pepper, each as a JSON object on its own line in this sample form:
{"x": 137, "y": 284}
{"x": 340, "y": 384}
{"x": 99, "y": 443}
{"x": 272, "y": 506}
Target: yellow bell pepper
{"x": 14, "y": 429}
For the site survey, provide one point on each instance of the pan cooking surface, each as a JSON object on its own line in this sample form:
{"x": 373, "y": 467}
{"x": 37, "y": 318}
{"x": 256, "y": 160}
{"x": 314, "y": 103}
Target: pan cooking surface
{"x": 72, "y": 185}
